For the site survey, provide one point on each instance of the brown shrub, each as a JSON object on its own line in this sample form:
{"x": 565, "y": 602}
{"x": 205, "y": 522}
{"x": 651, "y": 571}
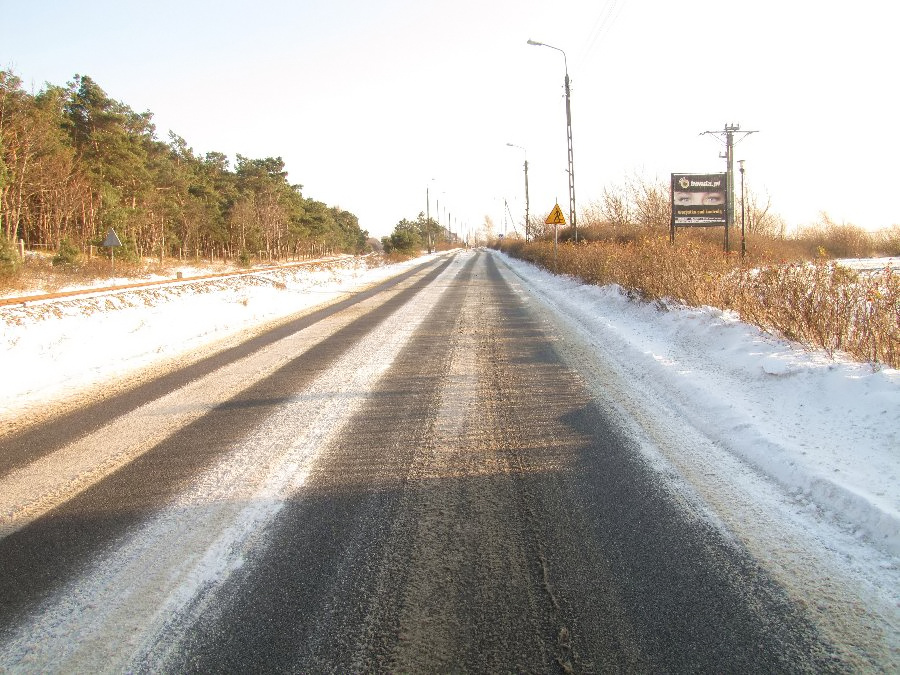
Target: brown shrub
{"x": 819, "y": 304}
{"x": 889, "y": 241}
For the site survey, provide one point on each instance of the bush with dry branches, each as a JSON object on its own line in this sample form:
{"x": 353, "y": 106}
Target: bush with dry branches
{"x": 819, "y": 304}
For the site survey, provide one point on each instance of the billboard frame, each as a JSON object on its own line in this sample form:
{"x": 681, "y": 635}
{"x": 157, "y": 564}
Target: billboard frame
{"x": 699, "y": 200}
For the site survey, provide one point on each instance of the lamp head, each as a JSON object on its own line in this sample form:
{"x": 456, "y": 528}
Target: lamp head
{"x": 533, "y": 42}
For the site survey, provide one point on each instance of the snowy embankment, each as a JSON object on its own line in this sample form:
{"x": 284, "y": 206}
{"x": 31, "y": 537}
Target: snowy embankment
{"x": 827, "y": 431}
{"x": 53, "y": 350}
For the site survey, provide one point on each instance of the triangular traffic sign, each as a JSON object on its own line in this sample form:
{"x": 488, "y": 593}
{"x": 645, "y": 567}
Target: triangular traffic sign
{"x": 112, "y": 239}
{"x": 556, "y": 217}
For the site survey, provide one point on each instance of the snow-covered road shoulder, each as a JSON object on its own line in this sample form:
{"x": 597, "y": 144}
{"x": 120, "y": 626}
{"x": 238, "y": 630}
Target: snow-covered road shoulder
{"x": 52, "y": 351}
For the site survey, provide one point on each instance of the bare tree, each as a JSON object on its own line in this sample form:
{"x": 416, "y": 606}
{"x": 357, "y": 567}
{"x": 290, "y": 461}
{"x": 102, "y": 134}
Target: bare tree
{"x": 615, "y": 207}
{"x": 650, "y": 201}
{"x": 761, "y": 219}
{"x": 488, "y": 228}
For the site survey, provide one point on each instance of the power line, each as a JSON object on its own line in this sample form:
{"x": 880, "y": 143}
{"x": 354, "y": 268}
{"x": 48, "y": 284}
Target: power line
{"x": 603, "y": 25}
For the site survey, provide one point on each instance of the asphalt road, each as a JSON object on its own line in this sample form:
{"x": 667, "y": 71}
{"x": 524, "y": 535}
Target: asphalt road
{"x": 410, "y": 481}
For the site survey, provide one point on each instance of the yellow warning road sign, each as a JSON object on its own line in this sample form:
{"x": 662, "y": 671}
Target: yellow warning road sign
{"x": 556, "y": 217}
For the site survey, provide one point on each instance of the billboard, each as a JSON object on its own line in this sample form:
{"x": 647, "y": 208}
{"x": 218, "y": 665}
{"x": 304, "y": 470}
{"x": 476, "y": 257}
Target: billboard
{"x": 699, "y": 200}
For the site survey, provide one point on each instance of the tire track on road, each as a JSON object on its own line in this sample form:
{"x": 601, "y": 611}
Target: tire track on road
{"x": 303, "y": 602}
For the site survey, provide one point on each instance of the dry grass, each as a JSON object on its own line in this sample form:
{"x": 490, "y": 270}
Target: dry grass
{"x": 817, "y": 303}
{"x": 39, "y": 273}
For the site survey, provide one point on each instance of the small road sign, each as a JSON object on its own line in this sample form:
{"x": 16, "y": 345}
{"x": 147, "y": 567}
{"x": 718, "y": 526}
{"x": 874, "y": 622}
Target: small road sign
{"x": 556, "y": 217}
{"x": 111, "y": 242}
{"x": 112, "y": 239}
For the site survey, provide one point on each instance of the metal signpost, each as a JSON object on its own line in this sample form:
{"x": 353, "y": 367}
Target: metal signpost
{"x": 111, "y": 242}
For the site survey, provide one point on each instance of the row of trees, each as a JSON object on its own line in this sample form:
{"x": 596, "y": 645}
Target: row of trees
{"x": 411, "y": 236}
{"x": 74, "y": 162}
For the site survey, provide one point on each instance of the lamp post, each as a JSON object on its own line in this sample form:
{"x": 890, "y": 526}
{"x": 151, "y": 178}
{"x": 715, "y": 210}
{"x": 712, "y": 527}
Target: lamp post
{"x": 569, "y": 136}
{"x": 527, "y": 222}
{"x": 428, "y": 214}
{"x": 437, "y": 208}
{"x": 743, "y": 211}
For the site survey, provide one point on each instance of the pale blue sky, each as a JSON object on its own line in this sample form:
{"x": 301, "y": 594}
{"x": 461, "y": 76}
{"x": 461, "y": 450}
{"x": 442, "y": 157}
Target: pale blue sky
{"x": 367, "y": 101}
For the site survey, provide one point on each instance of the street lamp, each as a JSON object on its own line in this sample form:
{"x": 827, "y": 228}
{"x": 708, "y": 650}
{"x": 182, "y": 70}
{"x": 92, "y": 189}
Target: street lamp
{"x": 568, "y": 134}
{"x": 527, "y": 221}
{"x": 428, "y": 214}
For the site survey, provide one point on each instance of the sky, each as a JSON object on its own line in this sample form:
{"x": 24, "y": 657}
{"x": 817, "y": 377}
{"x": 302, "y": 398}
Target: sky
{"x": 388, "y": 108}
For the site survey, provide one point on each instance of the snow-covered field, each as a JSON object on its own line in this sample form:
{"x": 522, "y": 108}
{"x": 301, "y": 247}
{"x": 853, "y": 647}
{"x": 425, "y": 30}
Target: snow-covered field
{"x": 789, "y": 449}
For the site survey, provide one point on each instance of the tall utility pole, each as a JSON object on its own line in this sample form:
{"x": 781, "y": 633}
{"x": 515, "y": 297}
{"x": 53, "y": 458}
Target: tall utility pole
{"x": 728, "y": 137}
{"x": 527, "y": 215}
{"x": 569, "y": 137}
{"x": 571, "y": 162}
{"x": 428, "y": 216}
{"x": 743, "y": 212}
{"x": 437, "y": 208}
